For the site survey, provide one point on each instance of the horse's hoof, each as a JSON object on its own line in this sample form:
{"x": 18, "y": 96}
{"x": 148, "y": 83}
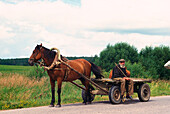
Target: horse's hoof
{"x": 84, "y": 103}
{"x": 51, "y": 105}
{"x": 89, "y": 102}
{"x": 58, "y": 106}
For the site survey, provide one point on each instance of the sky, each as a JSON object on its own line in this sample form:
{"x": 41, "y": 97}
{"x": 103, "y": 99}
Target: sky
{"x": 81, "y": 27}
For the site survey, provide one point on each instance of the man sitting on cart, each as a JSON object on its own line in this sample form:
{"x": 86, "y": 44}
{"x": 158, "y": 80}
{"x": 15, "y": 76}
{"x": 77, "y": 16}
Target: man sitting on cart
{"x": 120, "y": 73}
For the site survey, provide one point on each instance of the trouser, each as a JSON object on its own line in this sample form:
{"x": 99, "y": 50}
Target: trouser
{"x": 128, "y": 88}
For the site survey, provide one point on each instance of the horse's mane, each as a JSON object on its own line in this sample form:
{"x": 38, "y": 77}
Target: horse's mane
{"x": 52, "y": 54}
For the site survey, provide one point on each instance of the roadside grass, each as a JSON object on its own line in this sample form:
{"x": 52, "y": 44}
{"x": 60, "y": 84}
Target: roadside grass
{"x": 20, "y": 90}
{"x": 158, "y": 88}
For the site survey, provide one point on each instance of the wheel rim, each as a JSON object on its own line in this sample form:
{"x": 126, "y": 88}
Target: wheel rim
{"x": 116, "y": 94}
{"x": 145, "y": 92}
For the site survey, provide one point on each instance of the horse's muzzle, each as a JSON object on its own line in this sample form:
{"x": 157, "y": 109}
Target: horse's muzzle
{"x": 31, "y": 63}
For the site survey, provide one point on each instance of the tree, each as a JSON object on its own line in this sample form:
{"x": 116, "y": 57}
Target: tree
{"x": 153, "y": 59}
{"x": 112, "y": 54}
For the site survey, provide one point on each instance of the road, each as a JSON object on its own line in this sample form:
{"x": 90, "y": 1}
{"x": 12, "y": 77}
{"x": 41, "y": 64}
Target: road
{"x": 156, "y": 105}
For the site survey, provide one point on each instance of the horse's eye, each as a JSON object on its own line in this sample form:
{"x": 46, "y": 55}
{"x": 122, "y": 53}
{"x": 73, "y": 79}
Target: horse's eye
{"x": 33, "y": 52}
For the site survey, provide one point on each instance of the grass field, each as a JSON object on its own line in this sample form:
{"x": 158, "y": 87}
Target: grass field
{"x": 15, "y": 69}
{"x": 18, "y": 90}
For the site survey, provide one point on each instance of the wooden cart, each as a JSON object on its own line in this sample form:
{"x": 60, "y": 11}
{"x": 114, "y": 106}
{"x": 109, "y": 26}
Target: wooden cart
{"x": 112, "y": 88}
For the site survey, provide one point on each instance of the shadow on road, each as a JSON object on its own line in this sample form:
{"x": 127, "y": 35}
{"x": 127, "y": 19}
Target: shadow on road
{"x": 126, "y": 102}
{"x": 135, "y": 101}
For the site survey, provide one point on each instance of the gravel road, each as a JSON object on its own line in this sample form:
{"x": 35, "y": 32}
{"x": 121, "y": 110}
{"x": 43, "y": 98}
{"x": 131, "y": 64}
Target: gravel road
{"x": 156, "y": 105}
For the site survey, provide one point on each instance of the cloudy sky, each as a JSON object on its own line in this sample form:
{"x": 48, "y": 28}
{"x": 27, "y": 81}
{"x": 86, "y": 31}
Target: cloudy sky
{"x": 81, "y": 27}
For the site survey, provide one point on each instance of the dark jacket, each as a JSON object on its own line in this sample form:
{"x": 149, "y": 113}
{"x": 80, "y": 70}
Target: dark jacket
{"x": 117, "y": 73}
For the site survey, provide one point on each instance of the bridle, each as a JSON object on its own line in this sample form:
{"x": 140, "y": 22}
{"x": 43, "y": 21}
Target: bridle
{"x": 54, "y": 66}
{"x": 36, "y": 61}
{"x": 56, "y": 62}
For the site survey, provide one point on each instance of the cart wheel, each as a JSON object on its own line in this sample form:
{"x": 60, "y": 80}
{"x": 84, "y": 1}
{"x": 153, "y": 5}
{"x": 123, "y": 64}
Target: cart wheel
{"x": 83, "y": 94}
{"x": 144, "y": 93}
{"x": 114, "y": 95}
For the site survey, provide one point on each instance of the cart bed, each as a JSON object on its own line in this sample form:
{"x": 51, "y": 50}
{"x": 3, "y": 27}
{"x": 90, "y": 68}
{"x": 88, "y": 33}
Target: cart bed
{"x": 108, "y": 80}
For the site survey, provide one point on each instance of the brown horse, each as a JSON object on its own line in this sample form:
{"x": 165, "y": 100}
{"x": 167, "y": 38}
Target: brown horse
{"x": 63, "y": 73}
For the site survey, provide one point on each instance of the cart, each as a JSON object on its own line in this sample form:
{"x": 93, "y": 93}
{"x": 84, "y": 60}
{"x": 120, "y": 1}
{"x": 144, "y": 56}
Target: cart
{"x": 112, "y": 88}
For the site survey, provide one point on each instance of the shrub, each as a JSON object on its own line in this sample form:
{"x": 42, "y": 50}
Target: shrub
{"x": 138, "y": 71}
{"x": 37, "y": 73}
{"x": 112, "y": 54}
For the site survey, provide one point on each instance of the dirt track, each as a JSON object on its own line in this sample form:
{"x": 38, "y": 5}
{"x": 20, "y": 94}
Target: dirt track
{"x": 156, "y": 105}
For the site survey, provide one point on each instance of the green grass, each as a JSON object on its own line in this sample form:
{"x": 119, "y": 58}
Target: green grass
{"x": 15, "y": 69}
{"x": 18, "y": 90}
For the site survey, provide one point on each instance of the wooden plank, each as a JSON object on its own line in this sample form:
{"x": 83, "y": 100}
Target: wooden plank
{"x": 141, "y": 80}
{"x": 78, "y": 85}
{"x": 103, "y": 80}
{"x": 114, "y": 81}
{"x": 98, "y": 92}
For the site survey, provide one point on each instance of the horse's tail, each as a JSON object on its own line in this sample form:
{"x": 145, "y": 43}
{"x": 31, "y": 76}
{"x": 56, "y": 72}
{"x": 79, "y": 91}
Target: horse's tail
{"x": 96, "y": 70}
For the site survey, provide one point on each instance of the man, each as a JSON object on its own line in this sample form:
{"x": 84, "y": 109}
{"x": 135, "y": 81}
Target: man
{"x": 119, "y": 73}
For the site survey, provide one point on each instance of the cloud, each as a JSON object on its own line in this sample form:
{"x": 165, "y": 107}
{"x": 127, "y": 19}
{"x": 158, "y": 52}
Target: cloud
{"x": 94, "y": 42}
{"x": 82, "y": 30}
{"x": 94, "y": 14}
{"x": 127, "y": 14}
{"x": 146, "y": 31}
{"x": 5, "y": 51}
{"x": 5, "y": 33}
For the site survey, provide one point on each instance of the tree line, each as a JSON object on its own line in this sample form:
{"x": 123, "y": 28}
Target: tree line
{"x": 24, "y": 61}
{"x": 17, "y": 61}
{"x": 148, "y": 63}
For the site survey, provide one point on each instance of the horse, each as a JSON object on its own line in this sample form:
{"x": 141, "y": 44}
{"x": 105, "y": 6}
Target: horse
{"x": 63, "y": 73}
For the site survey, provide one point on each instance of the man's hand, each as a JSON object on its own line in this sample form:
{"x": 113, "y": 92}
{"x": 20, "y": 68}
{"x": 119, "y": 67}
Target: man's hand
{"x": 126, "y": 78}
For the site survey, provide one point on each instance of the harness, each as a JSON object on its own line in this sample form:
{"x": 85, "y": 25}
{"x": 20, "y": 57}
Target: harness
{"x": 54, "y": 66}
{"x": 67, "y": 72}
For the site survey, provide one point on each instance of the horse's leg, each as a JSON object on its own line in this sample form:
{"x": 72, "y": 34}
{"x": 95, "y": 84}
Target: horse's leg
{"x": 53, "y": 92}
{"x": 59, "y": 82}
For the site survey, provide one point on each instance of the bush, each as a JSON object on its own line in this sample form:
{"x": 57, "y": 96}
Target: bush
{"x": 153, "y": 60}
{"x": 37, "y": 73}
{"x": 112, "y": 54}
{"x": 138, "y": 71}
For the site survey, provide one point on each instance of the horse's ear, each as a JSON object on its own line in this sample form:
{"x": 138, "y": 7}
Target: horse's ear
{"x": 41, "y": 44}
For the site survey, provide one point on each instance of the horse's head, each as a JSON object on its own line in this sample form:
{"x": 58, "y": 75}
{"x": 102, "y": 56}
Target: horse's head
{"x": 36, "y": 55}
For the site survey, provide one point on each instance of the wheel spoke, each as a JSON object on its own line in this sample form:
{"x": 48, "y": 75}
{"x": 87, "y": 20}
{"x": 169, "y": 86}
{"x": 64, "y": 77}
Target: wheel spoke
{"x": 116, "y": 94}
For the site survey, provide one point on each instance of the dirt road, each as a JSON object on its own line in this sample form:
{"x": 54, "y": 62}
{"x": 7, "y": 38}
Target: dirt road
{"x": 156, "y": 105}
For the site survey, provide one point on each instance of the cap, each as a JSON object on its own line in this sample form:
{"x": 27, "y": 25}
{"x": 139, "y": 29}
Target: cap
{"x": 121, "y": 60}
